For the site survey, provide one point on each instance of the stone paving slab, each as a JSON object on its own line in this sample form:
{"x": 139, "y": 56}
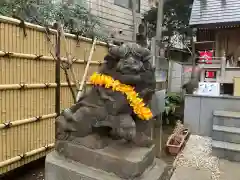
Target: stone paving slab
{"x": 229, "y": 171}
{"x": 189, "y": 173}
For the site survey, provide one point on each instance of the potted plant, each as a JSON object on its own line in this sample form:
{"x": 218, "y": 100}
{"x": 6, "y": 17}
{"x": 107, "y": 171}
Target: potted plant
{"x": 185, "y": 133}
{"x": 174, "y": 144}
{"x": 177, "y": 139}
{"x": 182, "y": 130}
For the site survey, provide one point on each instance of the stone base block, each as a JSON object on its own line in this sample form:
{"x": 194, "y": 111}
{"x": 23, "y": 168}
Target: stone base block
{"x": 120, "y": 158}
{"x": 59, "y": 168}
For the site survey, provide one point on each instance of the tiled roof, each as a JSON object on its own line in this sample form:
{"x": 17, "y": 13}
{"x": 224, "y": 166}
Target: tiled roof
{"x": 215, "y": 11}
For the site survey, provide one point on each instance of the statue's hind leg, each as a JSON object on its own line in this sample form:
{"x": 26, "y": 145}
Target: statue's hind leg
{"x": 143, "y": 133}
{"x": 125, "y": 127}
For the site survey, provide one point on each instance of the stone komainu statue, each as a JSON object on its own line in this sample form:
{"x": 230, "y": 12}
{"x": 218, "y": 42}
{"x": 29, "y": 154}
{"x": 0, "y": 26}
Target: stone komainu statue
{"x": 107, "y": 112}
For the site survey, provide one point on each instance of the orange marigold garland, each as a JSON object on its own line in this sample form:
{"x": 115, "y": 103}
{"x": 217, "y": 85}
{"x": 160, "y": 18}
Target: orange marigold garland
{"x": 139, "y": 107}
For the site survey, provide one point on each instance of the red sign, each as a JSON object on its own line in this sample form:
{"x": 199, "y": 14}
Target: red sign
{"x": 210, "y": 74}
{"x": 205, "y": 57}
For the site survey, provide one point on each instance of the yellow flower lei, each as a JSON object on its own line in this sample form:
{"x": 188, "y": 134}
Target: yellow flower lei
{"x": 135, "y": 102}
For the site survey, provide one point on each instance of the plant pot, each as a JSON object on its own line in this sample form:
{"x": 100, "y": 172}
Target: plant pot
{"x": 174, "y": 148}
{"x": 186, "y": 133}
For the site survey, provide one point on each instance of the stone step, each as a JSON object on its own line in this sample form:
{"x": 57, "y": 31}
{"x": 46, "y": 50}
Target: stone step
{"x": 226, "y": 134}
{"x": 226, "y": 150}
{"x": 226, "y": 118}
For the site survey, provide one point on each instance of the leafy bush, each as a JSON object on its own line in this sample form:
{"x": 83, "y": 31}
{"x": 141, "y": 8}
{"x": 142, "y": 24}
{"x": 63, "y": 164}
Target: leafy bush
{"x": 76, "y": 18}
{"x": 172, "y": 101}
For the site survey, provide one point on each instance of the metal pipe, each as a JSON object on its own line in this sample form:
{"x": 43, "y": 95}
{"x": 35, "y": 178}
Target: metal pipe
{"x": 32, "y": 86}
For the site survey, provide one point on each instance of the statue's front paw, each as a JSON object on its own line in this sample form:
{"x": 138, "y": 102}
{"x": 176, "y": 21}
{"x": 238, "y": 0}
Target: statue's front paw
{"x": 92, "y": 141}
{"x": 123, "y": 133}
{"x": 142, "y": 140}
{"x": 115, "y": 135}
{"x": 68, "y": 115}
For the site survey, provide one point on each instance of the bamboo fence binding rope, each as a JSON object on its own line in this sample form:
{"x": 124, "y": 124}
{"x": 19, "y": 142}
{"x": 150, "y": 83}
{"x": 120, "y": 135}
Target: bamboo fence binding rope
{"x": 25, "y": 121}
{"x": 31, "y": 86}
{"x": 86, "y": 70}
{"x": 25, "y": 155}
{"x": 38, "y": 57}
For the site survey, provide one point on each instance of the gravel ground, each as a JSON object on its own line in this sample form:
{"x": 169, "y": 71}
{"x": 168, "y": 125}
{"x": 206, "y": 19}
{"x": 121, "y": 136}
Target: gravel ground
{"x": 31, "y": 171}
{"x": 197, "y": 154}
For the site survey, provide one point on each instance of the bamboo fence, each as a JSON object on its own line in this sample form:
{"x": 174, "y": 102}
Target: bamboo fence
{"x": 28, "y": 87}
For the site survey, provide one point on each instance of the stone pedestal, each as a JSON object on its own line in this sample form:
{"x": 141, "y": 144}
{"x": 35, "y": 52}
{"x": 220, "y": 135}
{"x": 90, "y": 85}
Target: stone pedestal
{"x": 114, "y": 162}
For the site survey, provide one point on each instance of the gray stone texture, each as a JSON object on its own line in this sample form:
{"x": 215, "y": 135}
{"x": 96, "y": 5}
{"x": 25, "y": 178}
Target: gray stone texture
{"x": 113, "y": 157}
{"x": 226, "y": 134}
{"x": 229, "y": 151}
{"x": 198, "y": 111}
{"x": 226, "y": 121}
{"x": 60, "y": 168}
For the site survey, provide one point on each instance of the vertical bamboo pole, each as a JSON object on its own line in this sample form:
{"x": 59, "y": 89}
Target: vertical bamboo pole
{"x": 57, "y": 72}
{"x": 86, "y": 70}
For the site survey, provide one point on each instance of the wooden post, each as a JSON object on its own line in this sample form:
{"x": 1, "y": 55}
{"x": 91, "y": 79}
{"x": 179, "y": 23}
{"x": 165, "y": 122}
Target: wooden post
{"x": 193, "y": 53}
{"x": 134, "y": 7}
{"x": 153, "y": 49}
{"x": 57, "y": 72}
{"x": 170, "y": 68}
{"x": 223, "y": 66}
{"x": 158, "y": 45}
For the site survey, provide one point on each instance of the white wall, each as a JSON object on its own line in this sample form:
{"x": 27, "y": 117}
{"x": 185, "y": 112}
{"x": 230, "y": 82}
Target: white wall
{"x": 177, "y": 76}
{"x": 115, "y": 18}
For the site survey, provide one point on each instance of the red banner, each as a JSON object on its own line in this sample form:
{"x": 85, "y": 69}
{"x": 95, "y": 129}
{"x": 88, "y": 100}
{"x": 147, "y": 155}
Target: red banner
{"x": 205, "y": 57}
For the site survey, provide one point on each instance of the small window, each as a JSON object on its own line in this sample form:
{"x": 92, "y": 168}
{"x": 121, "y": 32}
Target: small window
{"x": 128, "y": 4}
{"x": 227, "y": 89}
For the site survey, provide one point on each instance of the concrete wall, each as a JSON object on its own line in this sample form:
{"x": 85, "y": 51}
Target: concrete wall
{"x": 177, "y": 76}
{"x": 115, "y": 18}
{"x": 198, "y": 111}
